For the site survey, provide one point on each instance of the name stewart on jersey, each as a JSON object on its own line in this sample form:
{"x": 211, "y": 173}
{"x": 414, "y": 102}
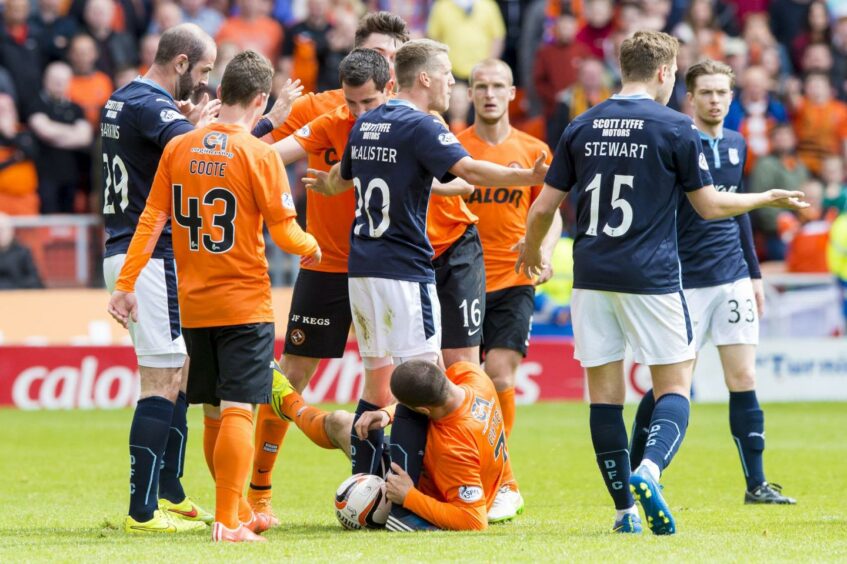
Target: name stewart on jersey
{"x": 627, "y": 192}
{"x": 710, "y": 251}
{"x": 136, "y": 123}
{"x": 392, "y": 155}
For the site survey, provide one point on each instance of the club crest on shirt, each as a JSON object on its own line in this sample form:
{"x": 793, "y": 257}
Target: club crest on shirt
{"x": 304, "y": 131}
{"x": 447, "y": 138}
{"x": 703, "y": 164}
{"x": 733, "y": 156}
{"x": 169, "y": 115}
{"x": 287, "y": 201}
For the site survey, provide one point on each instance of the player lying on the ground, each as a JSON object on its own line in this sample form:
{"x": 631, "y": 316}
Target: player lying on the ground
{"x": 722, "y": 283}
{"x": 455, "y": 424}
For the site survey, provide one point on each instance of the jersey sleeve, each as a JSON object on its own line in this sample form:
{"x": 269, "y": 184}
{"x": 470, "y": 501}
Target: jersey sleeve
{"x": 561, "y": 174}
{"x": 461, "y": 485}
{"x": 691, "y": 164}
{"x": 160, "y": 121}
{"x": 297, "y": 118}
{"x": 437, "y": 149}
{"x": 152, "y": 221}
{"x": 314, "y": 136}
{"x": 270, "y": 188}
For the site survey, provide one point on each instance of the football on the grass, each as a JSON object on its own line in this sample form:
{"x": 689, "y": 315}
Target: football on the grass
{"x": 360, "y": 502}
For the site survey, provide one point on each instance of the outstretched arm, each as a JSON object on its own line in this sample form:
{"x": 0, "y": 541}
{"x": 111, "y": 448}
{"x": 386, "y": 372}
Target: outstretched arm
{"x": 711, "y": 204}
{"x": 484, "y": 173}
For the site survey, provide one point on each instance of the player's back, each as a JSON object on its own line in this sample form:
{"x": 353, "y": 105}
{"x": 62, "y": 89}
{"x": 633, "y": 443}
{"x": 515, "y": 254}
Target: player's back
{"x": 136, "y": 124}
{"x": 628, "y": 159}
{"x": 503, "y": 211}
{"x": 224, "y": 181}
{"x": 473, "y": 434}
{"x": 392, "y": 156}
{"x": 710, "y": 251}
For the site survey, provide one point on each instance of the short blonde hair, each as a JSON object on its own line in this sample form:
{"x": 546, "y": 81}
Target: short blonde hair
{"x": 415, "y": 57}
{"x": 704, "y": 68}
{"x": 644, "y": 53}
{"x": 492, "y": 63}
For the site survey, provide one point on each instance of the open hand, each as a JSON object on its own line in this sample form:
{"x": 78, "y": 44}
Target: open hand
{"x": 123, "y": 307}
{"x": 289, "y": 92}
{"x": 317, "y": 180}
{"x": 529, "y": 262}
{"x": 786, "y": 199}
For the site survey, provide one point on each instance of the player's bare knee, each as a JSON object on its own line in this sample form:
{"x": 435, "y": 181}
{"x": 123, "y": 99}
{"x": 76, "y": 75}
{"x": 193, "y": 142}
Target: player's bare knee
{"x": 162, "y": 382}
{"x": 211, "y": 411}
{"x": 742, "y": 379}
{"x": 338, "y": 424}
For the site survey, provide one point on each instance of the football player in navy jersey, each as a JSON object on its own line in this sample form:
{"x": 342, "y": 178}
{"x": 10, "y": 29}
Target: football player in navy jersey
{"x": 629, "y": 159}
{"x": 392, "y": 156}
{"x": 136, "y": 124}
{"x": 722, "y": 282}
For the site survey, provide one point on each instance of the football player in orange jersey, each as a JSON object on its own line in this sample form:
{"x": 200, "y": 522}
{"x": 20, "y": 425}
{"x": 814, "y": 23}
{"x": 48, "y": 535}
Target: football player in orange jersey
{"x": 219, "y": 183}
{"x": 502, "y": 212}
{"x": 320, "y": 318}
{"x": 447, "y": 431}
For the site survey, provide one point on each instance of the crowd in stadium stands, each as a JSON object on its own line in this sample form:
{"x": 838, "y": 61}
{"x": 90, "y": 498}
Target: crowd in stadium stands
{"x": 60, "y": 60}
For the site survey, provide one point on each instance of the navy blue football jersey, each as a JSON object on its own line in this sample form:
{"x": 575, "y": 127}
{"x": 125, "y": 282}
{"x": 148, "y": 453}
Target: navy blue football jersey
{"x": 628, "y": 159}
{"x": 711, "y": 251}
{"x": 392, "y": 155}
{"x": 135, "y": 125}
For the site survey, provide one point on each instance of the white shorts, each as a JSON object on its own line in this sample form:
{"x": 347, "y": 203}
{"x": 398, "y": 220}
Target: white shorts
{"x": 724, "y": 314}
{"x": 395, "y": 318}
{"x": 656, "y": 327}
{"x": 157, "y": 336}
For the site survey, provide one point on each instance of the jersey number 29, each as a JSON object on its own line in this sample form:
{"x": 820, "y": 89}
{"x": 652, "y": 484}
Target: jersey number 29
{"x": 117, "y": 184}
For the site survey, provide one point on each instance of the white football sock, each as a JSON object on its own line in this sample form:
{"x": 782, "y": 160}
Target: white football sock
{"x": 652, "y": 468}
{"x": 621, "y": 512}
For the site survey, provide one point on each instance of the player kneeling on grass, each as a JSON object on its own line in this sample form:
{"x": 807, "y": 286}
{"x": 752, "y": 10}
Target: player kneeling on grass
{"x": 448, "y": 444}
{"x": 219, "y": 183}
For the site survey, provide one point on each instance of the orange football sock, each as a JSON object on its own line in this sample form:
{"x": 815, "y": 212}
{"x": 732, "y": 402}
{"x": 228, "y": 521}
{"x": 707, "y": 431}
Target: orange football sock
{"x": 211, "y": 428}
{"x": 308, "y": 419}
{"x": 270, "y": 432}
{"x": 507, "y": 404}
{"x": 232, "y": 457}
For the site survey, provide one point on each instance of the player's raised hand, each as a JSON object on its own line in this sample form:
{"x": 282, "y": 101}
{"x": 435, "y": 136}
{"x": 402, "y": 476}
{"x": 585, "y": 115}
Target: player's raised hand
{"x": 397, "y": 484}
{"x": 786, "y": 199}
{"x": 539, "y": 168}
{"x": 530, "y": 261}
{"x": 317, "y": 180}
{"x": 289, "y": 92}
{"x": 123, "y": 307}
{"x": 371, "y": 421}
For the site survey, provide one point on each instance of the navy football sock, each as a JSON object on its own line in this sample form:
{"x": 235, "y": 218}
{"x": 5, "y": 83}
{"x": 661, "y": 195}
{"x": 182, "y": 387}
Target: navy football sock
{"x": 365, "y": 454}
{"x": 408, "y": 444}
{"x": 608, "y": 434}
{"x": 147, "y": 438}
{"x": 667, "y": 429}
{"x": 747, "y": 423}
{"x": 641, "y": 428}
{"x": 170, "y": 487}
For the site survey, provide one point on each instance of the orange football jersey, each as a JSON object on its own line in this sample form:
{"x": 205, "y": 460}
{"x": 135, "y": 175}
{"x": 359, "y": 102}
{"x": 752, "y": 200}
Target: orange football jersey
{"x": 328, "y": 218}
{"x": 447, "y": 219}
{"x": 217, "y": 184}
{"x": 466, "y": 459}
{"x": 503, "y": 211}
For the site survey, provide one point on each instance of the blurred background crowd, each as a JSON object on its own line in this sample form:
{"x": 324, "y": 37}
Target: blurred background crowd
{"x": 61, "y": 59}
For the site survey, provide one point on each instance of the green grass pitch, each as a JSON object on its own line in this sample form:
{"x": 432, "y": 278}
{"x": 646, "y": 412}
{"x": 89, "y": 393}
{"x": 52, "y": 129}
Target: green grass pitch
{"x": 63, "y": 494}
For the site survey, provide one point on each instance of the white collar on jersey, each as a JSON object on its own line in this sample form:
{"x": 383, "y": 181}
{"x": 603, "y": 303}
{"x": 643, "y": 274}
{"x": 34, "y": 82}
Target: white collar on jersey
{"x": 401, "y": 102}
{"x": 638, "y": 96}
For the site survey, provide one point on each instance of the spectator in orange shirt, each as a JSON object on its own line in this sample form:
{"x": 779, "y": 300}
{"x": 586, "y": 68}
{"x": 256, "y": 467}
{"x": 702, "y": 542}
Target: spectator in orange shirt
{"x": 807, "y": 233}
{"x": 90, "y": 88}
{"x": 18, "y": 179}
{"x": 306, "y": 48}
{"x": 819, "y": 120}
{"x": 252, "y": 28}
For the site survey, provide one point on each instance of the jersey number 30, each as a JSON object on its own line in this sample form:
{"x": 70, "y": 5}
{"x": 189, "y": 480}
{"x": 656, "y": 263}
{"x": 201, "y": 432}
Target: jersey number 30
{"x": 193, "y": 221}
